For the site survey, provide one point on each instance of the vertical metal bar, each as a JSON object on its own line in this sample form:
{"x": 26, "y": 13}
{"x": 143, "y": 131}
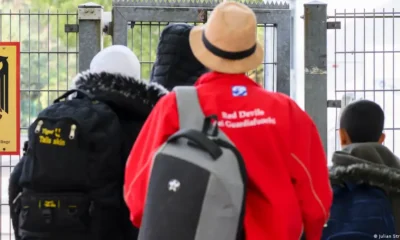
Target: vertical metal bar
{"x": 1, "y": 27}
{"x": 275, "y": 63}
{"x": 19, "y": 29}
{"x": 67, "y": 52}
{"x": 159, "y": 35}
{"x": 283, "y": 54}
{"x": 345, "y": 54}
{"x": 266, "y": 66}
{"x": 355, "y": 54}
{"x": 6, "y": 80}
{"x": 6, "y": 107}
{"x": 10, "y": 26}
{"x": 19, "y": 39}
{"x": 58, "y": 52}
{"x": 120, "y": 29}
{"x": 393, "y": 76}
{"x": 315, "y": 79}
{"x": 132, "y": 37}
{"x": 77, "y": 47}
{"x": 256, "y": 70}
{"x": 159, "y": 29}
{"x": 38, "y": 60}
{"x": 293, "y": 48}
{"x": 90, "y": 33}
{"x": 48, "y": 56}
{"x": 383, "y": 61}
{"x": 336, "y": 93}
{"x": 365, "y": 72}
{"x": 374, "y": 77}
{"x": 150, "y": 41}
{"x": 141, "y": 50}
{"x": 29, "y": 65}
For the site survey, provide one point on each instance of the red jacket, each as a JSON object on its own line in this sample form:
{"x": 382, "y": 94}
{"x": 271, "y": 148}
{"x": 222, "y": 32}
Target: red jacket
{"x": 288, "y": 188}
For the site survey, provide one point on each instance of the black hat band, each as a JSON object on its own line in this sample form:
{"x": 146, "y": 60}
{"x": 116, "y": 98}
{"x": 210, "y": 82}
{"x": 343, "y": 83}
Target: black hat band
{"x": 227, "y": 55}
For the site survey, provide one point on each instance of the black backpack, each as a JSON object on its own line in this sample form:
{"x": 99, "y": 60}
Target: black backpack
{"x": 71, "y": 178}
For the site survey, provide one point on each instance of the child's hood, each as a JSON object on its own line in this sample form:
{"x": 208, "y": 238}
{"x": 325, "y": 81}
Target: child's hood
{"x": 370, "y": 163}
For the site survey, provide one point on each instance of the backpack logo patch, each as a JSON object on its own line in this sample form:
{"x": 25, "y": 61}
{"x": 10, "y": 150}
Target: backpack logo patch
{"x": 239, "y": 91}
{"x": 174, "y": 185}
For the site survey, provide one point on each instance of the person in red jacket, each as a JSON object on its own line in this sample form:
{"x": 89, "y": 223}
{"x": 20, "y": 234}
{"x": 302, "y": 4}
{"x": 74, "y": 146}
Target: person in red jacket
{"x": 288, "y": 187}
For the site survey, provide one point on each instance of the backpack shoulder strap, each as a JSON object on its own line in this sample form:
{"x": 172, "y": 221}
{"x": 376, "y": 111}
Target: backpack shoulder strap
{"x": 189, "y": 110}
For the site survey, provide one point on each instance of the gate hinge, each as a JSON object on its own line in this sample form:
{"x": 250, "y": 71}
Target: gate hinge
{"x": 71, "y": 28}
{"x": 333, "y": 25}
{"x": 108, "y": 28}
{"x": 334, "y": 104}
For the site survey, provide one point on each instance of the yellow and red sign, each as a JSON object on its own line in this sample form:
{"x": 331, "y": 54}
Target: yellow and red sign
{"x": 9, "y": 98}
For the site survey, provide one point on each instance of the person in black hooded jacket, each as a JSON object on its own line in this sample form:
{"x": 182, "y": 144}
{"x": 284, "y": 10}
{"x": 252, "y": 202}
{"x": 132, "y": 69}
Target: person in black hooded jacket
{"x": 114, "y": 77}
{"x": 175, "y": 63}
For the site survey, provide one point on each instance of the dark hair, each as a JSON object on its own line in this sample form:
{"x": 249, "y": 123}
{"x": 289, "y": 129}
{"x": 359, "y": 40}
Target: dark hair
{"x": 363, "y": 121}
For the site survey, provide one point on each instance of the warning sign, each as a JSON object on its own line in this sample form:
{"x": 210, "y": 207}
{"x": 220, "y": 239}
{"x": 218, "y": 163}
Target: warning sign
{"x": 9, "y": 98}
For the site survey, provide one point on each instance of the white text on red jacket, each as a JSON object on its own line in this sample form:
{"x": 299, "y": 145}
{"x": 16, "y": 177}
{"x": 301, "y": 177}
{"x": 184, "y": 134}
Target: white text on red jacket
{"x": 242, "y": 119}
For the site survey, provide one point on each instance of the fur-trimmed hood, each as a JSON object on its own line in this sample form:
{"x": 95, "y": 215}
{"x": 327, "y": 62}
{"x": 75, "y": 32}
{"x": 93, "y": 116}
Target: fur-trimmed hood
{"x": 132, "y": 96}
{"x": 370, "y": 163}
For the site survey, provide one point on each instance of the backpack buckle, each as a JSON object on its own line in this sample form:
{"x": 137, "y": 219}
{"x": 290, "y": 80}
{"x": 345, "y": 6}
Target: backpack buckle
{"x": 47, "y": 214}
{"x": 210, "y": 126}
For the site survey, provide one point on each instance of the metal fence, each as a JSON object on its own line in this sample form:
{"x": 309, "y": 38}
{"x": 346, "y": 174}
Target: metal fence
{"x": 363, "y": 55}
{"x": 49, "y": 59}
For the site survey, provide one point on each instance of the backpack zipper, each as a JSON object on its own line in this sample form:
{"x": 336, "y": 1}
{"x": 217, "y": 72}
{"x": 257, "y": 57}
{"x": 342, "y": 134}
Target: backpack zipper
{"x": 72, "y": 132}
{"x": 16, "y": 198}
{"x": 39, "y": 126}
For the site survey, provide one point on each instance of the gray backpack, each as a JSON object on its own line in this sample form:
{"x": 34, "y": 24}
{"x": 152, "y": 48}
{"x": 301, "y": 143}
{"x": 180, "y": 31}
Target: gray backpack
{"x": 198, "y": 181}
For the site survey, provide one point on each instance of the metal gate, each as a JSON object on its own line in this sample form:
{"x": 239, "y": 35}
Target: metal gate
{"x": 143, "y": 39}
{"x": 362, "y": 59}
{"x": 149, "y": 18}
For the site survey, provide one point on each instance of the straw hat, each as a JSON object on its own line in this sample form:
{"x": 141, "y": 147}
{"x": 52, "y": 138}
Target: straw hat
{"x": 227, "y": 43}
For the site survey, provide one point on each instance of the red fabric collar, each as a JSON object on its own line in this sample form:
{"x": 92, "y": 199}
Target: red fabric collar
{"x": 224, "y": 78}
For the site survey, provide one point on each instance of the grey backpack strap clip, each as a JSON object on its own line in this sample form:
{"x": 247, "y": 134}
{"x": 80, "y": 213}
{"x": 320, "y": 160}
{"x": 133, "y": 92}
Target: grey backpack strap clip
{"x": 191, "y": 115}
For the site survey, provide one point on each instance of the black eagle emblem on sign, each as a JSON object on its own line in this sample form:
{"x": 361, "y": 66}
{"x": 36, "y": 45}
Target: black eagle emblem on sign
{"x": 3, "y": 85}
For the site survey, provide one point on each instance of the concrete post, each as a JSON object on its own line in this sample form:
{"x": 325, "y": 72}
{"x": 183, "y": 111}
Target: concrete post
{"x": 90, "y": 33}
{"x": 315, "y": 63}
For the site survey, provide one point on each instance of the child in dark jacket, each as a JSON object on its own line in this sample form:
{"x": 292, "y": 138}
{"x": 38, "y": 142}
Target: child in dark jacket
{"x": 365, "y": 177}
